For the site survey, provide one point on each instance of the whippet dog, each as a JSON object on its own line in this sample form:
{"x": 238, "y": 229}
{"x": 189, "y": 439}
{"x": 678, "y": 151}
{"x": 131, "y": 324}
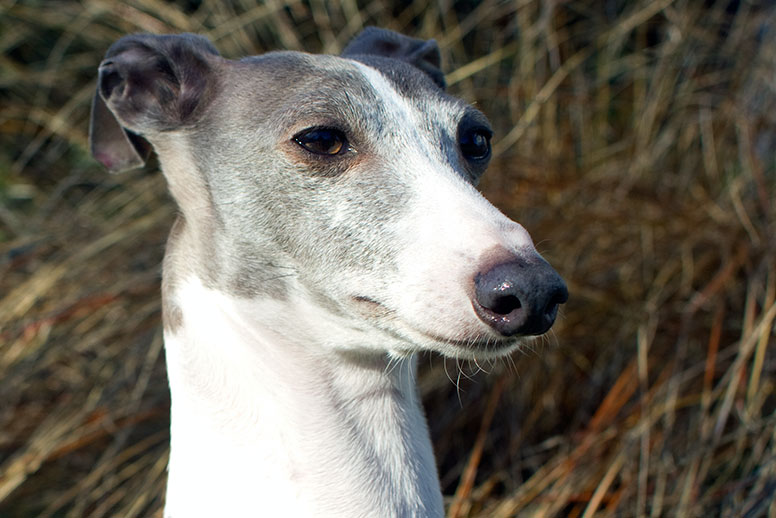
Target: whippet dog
{"x": 329, "y": 230}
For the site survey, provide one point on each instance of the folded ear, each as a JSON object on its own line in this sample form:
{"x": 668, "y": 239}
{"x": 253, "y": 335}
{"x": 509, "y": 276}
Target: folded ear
{"x": 148, "y": 84}
{"x": 382, "y": 42}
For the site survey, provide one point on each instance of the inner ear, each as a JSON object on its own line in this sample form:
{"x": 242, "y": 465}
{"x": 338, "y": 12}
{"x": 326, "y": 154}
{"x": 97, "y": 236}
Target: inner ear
{"x": 112, "y": 145}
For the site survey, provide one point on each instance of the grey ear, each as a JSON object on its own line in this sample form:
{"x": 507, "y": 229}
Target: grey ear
{"x": 147, "y": 84}
{"x": 422, "y": 54}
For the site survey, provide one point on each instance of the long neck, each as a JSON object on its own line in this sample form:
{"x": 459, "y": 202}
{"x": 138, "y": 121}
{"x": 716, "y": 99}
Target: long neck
{"x": 267, "y": 424}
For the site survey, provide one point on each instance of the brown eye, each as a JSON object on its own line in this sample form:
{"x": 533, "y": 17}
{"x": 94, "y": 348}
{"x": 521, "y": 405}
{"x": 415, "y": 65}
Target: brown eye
{"x": 322, "y": 141}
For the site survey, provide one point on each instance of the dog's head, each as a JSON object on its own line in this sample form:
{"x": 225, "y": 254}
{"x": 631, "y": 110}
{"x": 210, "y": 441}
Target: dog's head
{"x": 340, "y": 188}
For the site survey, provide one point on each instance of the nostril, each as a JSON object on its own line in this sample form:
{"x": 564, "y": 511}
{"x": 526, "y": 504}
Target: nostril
{"x": 505, "y": 305}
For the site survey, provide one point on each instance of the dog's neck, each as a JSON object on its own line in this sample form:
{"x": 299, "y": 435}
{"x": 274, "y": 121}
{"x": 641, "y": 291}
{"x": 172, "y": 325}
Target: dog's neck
{"x": 261, "y": 419}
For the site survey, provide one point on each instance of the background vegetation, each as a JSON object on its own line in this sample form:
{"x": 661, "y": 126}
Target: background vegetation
{"x": 636, "y": 140}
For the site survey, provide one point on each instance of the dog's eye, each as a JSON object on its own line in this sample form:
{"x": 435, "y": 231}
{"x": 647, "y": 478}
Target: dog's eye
{"x": 475, "y": 143}
{"x": 322, "y": 141}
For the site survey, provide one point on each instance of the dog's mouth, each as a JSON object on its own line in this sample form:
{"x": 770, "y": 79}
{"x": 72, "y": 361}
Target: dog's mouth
{"x": 367, "y": 301}
{"x": 480, "y": 344}
{"x": 368, "y": 307}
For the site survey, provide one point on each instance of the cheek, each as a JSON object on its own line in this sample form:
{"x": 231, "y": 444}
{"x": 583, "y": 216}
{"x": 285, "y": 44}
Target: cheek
{"x": 343, "y": 234}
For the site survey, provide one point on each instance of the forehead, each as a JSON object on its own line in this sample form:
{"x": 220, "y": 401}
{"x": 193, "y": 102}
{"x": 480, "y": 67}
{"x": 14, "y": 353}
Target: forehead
{"x": 285, "y": 87}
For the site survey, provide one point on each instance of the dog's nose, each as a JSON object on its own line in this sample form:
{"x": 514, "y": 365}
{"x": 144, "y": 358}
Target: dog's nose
{"x": 519, "y": 297}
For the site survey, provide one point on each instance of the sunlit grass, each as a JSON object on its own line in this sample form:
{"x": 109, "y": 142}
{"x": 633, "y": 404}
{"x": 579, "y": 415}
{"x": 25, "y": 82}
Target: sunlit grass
{"x": 636, "y": 141}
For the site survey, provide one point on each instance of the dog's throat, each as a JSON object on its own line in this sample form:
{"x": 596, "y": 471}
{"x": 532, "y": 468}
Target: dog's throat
{"x": 319, "y": 431}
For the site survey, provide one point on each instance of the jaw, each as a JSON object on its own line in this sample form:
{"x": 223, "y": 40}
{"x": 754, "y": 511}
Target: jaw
{"x": 483, "y": 347}
{"x": 467, "y": 339}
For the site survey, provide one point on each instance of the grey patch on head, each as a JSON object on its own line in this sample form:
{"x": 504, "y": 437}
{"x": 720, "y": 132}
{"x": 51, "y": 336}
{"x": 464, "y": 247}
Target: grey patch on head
{"x": 278, "y": 215}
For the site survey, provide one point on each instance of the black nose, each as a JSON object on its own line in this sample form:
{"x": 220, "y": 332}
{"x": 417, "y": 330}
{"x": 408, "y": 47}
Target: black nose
{"x": 520, "y": 297}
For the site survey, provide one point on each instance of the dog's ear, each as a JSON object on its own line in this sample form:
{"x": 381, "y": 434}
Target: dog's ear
{"x": 117, "y": 148}
{"x": 423, "y": 54}
{"x": 147, "y": 84}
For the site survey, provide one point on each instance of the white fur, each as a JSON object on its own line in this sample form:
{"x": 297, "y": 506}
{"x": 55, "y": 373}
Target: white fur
{"x": 267, "y": 418}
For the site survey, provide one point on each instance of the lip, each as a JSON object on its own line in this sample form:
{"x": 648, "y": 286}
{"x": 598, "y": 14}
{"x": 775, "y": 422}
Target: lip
{"x": 496, "y": 346}
{"x": 481, "y": 344}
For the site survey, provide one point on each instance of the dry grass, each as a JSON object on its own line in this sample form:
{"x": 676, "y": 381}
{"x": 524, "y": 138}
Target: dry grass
{"x": 636, "y": 142}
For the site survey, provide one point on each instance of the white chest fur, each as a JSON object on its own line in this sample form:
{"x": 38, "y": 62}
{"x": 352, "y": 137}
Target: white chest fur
{"x": 264, "y": 424}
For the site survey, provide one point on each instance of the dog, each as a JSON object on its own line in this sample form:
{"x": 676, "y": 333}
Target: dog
{"x": 329, "y": 230}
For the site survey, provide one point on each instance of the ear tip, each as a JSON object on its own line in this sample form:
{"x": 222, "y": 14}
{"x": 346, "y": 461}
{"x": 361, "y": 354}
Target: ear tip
{"x": 116, "y": 165}
{"x": 146, "y": 42}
